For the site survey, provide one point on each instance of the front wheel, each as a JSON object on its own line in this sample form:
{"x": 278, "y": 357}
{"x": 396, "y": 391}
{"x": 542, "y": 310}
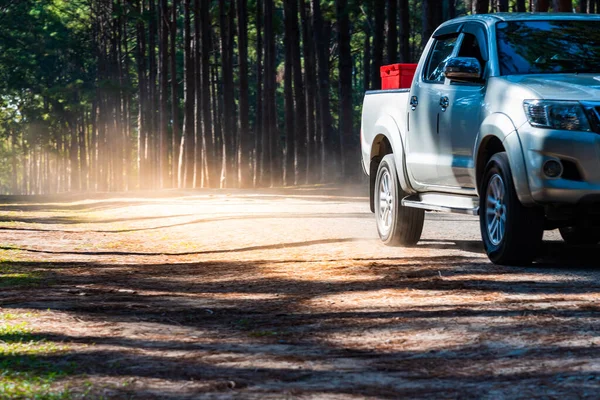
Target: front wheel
{"x": 397, "y": 225}
{"x": 511, "y": 232}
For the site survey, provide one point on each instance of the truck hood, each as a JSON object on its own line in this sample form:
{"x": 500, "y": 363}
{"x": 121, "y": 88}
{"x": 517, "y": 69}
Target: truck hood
{"x": 561, "y": 86}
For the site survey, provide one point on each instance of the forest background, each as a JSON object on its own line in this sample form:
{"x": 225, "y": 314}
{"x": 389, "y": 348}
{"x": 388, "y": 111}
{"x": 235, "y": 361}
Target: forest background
{"x": 114, "y": 95}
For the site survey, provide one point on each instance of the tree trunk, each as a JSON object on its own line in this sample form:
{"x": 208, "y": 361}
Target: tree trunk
{"x": 217, "y": 117}
{"x": 13, "y": 162}
{"x": 478, "y": 6}
{"x": 270, "y": 107}
{"x": 432, "y": 18}
{"x": 163, "y": 160}
{"x": 244, "y": 133}
{"x": 392, "y": 34}
{"x": 25, "y": 167}
{"x": 186, "y": 158}
{"x": 378, "y": 41}
{"x": 127, "y": 98}
{"x": 208, "y": 138}
{"x": 259, "y": 176}
{"x": 452, "y": 9}
{"x": 310, "y": 79}
{"x": 125, "y": 83}
{"x": 198, "y": 98}
{"x": 74, "y": 158}
{"x": 142, "y": 97}
{"x": 404, "y": 13}
{"x": 502, "y": 6}
{"x": 229, "y": 131}
{"x": 562, "y": 6}
{"x": 346, "y": 131}
{"x": 175, "y": 135}
{"x": 300, "y": 103}
{"x": 290, "y": 128}
{"x": 93, "y": 148}
{"x": 83, "y": 161}
{"x": 540, "y": 5}
{"x": 153, "y": 96}
{"x": 367, "y": 57}
{"x": 321, "y": 34}
{"x": 520, "y": 6}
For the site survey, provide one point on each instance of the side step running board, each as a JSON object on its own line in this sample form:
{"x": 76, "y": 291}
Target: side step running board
{"x": 444, "y": 202}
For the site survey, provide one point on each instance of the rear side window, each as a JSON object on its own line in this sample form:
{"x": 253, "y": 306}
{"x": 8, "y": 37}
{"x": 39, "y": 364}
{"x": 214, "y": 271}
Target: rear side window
{"x": 440, "y": 53}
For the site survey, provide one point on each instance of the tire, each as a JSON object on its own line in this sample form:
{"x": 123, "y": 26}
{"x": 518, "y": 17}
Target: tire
{"x": 511, "y": 232}
{"x": 397, "y": 225}
{"x": 580, "y": 235}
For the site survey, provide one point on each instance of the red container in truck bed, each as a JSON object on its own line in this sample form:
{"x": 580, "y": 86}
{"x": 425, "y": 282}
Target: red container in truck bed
{"x": 397, "y": 76}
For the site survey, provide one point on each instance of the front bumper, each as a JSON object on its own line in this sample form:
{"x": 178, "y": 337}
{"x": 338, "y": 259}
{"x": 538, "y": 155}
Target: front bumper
{"x": 579, "y": 153}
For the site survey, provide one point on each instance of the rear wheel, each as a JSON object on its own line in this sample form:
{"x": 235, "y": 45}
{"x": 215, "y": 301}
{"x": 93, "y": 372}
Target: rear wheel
{"x": 580, "y": 235}
{"x": 511, "y": 232}
{"x": 397, "y": 225}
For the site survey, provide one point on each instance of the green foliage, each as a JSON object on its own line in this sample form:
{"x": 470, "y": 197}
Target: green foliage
{"x": 61, "y": 61}
{"x": 25, "y": 369}
{"x": 45, "y": 71}
{"x": 11, "y": 276}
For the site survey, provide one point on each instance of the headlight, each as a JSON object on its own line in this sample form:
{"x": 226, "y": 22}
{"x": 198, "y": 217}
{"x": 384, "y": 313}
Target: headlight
{"x": 564, "y": 115}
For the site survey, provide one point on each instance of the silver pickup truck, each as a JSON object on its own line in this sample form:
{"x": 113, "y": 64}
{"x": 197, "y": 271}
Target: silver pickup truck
{"x": 502, "y": 121}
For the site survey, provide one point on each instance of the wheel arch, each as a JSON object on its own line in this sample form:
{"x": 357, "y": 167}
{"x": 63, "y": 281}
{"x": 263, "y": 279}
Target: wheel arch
{"x": 388, "y": 140}
{"x": 380, "y": 148}
{"x": 497, "y": 134}
{"x": 490, "y": 145}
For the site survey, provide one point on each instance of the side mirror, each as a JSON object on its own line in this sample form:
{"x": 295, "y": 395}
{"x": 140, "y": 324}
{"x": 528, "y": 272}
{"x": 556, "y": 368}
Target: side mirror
{"x": 466, "y": 69}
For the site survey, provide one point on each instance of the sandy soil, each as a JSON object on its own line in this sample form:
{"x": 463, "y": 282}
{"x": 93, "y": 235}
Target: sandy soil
{"x": 290, "y": 294}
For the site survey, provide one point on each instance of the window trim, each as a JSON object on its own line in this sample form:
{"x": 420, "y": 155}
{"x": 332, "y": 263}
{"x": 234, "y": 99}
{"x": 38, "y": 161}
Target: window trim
{"x": 484, "y": 70}
{"x": 479, "y": 31}
{"x": 458, "y": 36}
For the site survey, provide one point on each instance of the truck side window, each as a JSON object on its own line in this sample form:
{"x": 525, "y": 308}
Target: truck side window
{"x": 441, "y": 52}
{"x": 470, "y": 48}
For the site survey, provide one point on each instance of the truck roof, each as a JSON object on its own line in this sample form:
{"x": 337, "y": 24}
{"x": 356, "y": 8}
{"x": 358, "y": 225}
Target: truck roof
{"x": 490, "y": 19}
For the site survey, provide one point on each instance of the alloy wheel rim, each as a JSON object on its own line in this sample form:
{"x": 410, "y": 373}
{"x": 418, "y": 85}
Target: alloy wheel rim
{"x": 386, "y": 202}
{"x": 495, "y": 210}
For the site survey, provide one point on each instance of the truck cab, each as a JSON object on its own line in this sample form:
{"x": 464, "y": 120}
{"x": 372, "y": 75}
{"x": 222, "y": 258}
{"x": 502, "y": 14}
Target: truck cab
{"x": 502, "y": 120}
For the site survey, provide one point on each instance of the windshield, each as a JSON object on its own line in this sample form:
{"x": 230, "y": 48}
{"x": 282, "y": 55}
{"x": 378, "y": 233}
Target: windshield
{"x": 537, "y": 47}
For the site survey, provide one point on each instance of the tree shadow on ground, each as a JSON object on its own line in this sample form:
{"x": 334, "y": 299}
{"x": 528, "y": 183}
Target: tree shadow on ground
{"x": 272, "y": 334}
{"x": 443, "y": 325}
{"x": 471, "y": 246}
{"x": 188, "y": 253}
{"x": 57, "y": 220}
{"x": 551, "y": 253}
{"x": 278, "y": 216}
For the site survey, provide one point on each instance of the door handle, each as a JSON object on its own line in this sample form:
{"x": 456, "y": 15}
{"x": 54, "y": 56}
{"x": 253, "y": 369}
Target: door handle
{"x": 444, "y": 102}
{"x": 414, "y": 102}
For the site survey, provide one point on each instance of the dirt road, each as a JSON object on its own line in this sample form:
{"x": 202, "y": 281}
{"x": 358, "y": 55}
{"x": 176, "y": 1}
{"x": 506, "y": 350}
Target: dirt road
{"x": 281, "y": 294}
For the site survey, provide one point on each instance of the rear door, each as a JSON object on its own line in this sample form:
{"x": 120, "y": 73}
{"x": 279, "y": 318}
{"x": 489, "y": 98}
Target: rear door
{"x": 423, "y": 141}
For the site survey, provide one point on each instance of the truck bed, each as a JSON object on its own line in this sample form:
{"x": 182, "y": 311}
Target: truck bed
{"x": 382, "y": 110}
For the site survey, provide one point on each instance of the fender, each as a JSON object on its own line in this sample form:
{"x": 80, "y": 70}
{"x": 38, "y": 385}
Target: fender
{"x": 387, "y": 126}
{"x": 500, "y": 125}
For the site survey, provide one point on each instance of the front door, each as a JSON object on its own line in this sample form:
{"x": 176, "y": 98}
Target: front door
{"x": 423, "y": 146}
{"x": 460, "y": 122}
